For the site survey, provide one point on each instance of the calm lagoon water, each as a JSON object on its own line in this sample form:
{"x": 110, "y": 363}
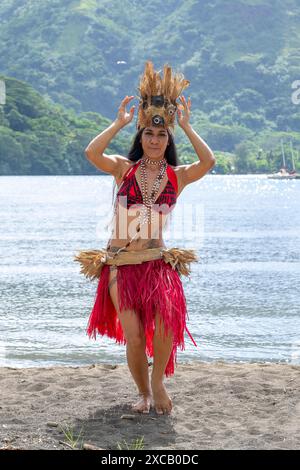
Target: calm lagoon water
{"x": 243, "y": 295}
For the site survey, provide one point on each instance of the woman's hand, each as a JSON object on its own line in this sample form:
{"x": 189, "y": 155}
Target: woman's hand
{"x": 184, "y": 118}
{"x": 123, "y": 117}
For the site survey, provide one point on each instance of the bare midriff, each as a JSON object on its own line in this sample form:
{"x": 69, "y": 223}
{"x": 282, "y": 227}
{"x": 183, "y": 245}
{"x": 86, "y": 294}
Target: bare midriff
{"x": 125, "y": 227}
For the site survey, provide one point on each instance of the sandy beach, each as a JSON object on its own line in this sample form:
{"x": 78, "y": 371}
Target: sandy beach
{"x": 215, "y": 406}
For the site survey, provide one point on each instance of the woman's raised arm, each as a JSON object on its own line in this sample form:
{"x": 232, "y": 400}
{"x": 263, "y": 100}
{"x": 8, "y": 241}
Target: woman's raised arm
{"x": 94, "y": 152}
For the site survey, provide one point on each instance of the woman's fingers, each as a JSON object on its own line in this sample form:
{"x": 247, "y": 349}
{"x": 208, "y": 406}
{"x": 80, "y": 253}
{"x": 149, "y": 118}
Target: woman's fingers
{"x": 185, "y": 104}
{"x": 184, "y": 101}
{"x": 125, "y": 101}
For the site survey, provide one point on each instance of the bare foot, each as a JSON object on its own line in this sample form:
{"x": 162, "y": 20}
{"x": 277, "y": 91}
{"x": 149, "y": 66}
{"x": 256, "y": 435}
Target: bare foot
{"x": 143, "y": 405}
{"x": 162, "y": 401}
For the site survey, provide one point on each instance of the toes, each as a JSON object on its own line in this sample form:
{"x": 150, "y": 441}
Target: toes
{"x": 136, "y": 410}
{"x": 163, "y": 411}
{"x": 141, "y": 407}
{"x": 140, "y": 410}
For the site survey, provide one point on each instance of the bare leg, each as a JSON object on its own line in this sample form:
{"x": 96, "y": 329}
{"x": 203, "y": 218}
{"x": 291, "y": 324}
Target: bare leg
{"x": 138, "y": 365}
{"x": 162, "y": 348}
{"x": 135, "y": 348}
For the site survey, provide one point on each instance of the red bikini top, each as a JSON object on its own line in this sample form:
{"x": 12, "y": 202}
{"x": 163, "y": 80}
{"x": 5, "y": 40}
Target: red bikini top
{"x": 130, "y": 188}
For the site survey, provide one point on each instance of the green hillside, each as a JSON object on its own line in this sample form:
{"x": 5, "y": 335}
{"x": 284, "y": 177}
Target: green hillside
{"x": 38, "y": 136}
{"x": 241, "y": 56}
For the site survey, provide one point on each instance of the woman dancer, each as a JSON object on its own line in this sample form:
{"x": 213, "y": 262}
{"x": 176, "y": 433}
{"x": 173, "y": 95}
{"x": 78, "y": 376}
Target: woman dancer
{"x": 140, "y": 300}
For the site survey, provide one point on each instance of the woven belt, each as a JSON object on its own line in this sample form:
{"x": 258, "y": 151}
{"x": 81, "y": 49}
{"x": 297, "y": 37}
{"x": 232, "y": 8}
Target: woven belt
{"x": 132, "y": 257}
{"x": 92, "y": 261}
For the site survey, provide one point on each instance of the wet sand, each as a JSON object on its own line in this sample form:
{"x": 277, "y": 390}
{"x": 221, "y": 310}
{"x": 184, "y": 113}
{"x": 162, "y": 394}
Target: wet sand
{"x": 216, "y": 405}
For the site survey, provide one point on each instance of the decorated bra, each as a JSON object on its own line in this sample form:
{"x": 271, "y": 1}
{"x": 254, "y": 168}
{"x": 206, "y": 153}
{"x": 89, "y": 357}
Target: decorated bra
{"x": 130, "y": 188}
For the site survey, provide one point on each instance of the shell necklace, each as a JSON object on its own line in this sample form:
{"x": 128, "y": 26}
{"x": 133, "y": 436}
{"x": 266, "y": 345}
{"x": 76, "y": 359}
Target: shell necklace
{"x": 148, "y": 201}
{"x": 146, "y": 214}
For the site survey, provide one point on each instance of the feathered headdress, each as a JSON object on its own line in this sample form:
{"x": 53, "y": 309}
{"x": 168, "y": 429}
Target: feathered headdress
{"x": 157, "y": 105}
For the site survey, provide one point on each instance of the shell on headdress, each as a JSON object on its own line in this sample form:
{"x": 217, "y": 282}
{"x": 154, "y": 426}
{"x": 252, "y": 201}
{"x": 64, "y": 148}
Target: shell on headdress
{"x": 158, "y": 95}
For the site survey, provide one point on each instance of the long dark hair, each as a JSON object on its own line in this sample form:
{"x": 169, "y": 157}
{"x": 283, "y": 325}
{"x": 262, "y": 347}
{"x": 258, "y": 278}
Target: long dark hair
{"x": 136, "y": 149}
{"x": 136, "y": 152}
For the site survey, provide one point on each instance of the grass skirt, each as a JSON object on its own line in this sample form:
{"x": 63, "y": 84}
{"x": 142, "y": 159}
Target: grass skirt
{"x": 148, "y": 288}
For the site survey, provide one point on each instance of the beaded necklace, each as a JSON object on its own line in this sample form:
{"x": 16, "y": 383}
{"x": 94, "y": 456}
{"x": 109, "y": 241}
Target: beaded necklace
{"x": 146, "y": 213}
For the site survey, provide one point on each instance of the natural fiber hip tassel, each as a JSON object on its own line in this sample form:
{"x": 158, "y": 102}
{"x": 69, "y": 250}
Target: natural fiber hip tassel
{"x": 148, "y": 282}
{"x": 92, "y": 261}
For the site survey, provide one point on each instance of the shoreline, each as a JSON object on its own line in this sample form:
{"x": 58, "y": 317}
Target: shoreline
{"x": 216, "y": 405}
{"x": 182, "y": 362}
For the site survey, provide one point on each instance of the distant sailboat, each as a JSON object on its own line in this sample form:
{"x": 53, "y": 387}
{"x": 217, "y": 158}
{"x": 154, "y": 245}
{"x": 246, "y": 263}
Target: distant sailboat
{"x": 283, "y": 173}
{"x": 293, "y": 172}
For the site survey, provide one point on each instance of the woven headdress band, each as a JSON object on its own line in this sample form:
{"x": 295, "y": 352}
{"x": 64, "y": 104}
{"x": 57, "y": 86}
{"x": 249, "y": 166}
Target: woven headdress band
{"x": 157, "y": 105}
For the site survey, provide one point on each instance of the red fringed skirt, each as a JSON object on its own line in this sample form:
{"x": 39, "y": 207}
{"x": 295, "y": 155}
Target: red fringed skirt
{"x": 148, "y": 288}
